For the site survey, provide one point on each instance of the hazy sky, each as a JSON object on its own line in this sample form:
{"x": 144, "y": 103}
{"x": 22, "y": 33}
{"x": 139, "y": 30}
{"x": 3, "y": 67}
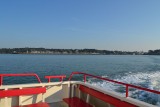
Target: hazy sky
{"x": 128, "y": 25}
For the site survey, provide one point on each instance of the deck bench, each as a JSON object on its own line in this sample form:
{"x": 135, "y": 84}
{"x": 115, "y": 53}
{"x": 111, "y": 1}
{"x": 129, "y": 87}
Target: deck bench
{"x": 23, "y": 92}
{"x": 76, "y": 102}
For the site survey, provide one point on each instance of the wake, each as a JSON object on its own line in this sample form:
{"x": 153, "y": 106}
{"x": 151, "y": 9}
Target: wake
{"x": 147, "y": 80}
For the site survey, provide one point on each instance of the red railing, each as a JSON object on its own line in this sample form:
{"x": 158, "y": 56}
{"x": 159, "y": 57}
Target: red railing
{"x": 121, "y": 83}
{"x": 60, "y": 77}
{"x": 11, "y": 75}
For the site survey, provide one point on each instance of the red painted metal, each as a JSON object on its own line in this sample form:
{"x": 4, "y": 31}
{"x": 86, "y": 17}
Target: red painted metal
{"x": 107, "y": 98}
{"x": 121, "y": 83}
{"x": 84, "y": 78}
{"x": 60, "y": 77}
{"x": 1, "y": 79}
{"x": 36, "y": 105}
{"x": 76, "y": 102}
{"x": 126, "y": 90}
{"x": 25, "y": 91}
{"x": 13, "y": 75}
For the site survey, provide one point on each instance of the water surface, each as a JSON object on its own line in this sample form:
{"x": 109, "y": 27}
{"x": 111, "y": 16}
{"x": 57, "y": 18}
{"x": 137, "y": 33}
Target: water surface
{"x": 139, "y": 70}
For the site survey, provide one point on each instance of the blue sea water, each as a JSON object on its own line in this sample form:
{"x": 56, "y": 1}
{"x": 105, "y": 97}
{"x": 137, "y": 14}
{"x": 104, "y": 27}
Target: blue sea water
{"x": 136, "y": 69}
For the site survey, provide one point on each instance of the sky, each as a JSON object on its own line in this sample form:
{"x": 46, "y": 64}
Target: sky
{"x": 124, "y": 25}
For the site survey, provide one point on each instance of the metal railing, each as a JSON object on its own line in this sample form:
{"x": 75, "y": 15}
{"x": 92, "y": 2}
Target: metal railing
{"x": 60, "y": 77}
{"x": 13, "y": 75}
{"x": 113, "y": 81}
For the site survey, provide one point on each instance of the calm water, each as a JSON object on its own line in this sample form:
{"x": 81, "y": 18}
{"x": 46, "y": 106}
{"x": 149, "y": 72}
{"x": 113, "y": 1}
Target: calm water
{"x": 138, "y": 70}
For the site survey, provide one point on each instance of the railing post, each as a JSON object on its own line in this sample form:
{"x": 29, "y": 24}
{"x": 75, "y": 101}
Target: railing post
{"x": 37, "y": 77}
{"x": 49, "y": 80}
{"x": 126, "y": 90}
{"x": 70, "y": 77}
{"x": 60, "y": 79}
{"x": 1, "y": 80}
{"x": 84, "y": 78}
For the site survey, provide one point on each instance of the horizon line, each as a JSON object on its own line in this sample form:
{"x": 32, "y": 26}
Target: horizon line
{"x": 80, "y": 49}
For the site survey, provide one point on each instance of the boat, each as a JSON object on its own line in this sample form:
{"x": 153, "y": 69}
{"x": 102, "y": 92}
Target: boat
{"x": 68, "y": 93}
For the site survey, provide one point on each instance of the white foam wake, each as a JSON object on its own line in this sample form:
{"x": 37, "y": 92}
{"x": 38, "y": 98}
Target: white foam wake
{"x": 147, "y": 80}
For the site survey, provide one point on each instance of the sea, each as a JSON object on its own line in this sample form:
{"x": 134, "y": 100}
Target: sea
{"x": 140, "y": 70}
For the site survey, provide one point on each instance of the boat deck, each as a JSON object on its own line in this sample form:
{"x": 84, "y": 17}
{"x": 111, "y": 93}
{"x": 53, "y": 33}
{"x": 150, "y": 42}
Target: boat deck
{"x": 58, "y": 104}
{"x": 54, "y": 94}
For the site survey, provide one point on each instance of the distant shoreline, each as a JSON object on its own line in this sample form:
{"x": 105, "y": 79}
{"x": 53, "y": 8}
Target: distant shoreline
{"x": 65, "y": 51}
{"x": 44, "y": 51}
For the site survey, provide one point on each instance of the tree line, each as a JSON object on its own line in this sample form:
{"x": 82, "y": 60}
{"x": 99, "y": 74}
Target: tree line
{"x": 72, "y": 51}
{"x": 153, "y": 52}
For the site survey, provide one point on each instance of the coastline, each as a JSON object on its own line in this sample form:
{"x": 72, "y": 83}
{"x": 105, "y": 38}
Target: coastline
{"x": 44, "y": 51}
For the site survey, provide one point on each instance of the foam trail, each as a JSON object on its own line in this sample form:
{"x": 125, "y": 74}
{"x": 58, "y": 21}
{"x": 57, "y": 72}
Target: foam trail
{"x": 147, "y": 80}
